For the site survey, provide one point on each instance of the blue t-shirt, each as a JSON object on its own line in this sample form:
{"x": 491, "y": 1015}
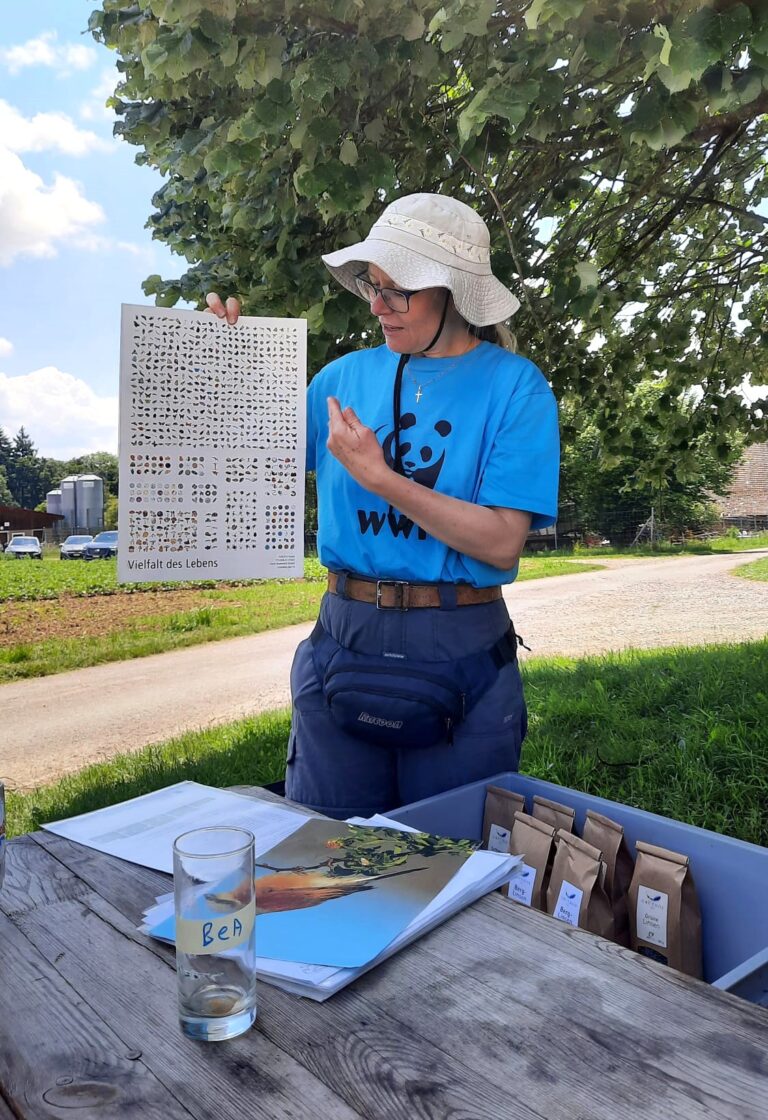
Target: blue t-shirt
{"x": 484, "y": 429}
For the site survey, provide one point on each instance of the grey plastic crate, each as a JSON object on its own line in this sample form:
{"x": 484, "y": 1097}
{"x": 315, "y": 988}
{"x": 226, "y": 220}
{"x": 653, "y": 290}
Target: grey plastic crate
{"x": 731, "y": 876}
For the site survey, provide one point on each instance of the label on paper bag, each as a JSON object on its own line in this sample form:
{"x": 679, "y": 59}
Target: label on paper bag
{"x": 521, "y": 887}
{"x": 568, "y": 903}
{"x": 498, "y": 839}
{"x": 217, "y": 934}
{"x": 652, "y": 916}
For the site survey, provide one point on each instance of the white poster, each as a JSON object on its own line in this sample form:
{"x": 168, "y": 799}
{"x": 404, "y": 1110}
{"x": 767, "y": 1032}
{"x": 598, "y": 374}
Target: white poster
{"x": 212, "y": 444}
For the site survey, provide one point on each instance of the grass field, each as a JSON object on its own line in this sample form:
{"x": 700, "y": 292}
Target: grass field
{"x": 680, "y": 732}
{"x": 61, "y": 616}
{"x": 690, "y": 548}
{"x": 757, "y": 570}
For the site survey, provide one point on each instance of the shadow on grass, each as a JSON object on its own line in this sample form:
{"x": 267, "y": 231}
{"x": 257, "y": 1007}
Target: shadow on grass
{"x": 680, "y": 732}
{"x": 249, "y": 752}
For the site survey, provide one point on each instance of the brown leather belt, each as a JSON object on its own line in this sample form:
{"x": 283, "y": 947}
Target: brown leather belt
{"x": 399, "y": 595}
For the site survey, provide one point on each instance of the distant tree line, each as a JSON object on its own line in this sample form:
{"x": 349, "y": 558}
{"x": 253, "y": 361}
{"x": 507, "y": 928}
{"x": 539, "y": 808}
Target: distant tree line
{"x": 26, "y": 477}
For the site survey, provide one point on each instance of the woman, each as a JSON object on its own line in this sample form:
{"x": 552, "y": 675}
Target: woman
{"x": 435, "y": 454}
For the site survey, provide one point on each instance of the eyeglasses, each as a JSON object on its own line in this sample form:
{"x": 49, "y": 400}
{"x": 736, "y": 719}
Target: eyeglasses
{"x": 396, "y": 299}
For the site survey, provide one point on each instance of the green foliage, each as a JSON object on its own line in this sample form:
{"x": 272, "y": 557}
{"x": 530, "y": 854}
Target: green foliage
{"x": 6, "y": 497}
{"x": 26, "y": 477}
{"x": 655, "y": 428}
{"x": 617, "y": 151}
{"x": 373, "y": 851}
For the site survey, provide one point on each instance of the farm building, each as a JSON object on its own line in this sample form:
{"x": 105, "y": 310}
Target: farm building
{"x": 14, "y": 519}
{"x": 745, "y": 503}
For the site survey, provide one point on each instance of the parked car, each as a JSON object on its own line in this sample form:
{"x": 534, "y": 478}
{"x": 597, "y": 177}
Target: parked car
{"x": 73, "y": 547}
{"x": 102, "y": 546}
{"x": 24, "y": 547}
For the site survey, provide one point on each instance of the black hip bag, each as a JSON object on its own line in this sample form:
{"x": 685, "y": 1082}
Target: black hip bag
{"x": 404, "y": 703}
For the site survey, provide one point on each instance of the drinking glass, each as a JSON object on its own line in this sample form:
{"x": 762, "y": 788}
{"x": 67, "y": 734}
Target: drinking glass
{"x": 215, "y": 931}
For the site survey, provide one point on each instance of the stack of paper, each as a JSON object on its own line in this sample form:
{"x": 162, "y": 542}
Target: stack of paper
{"x": 366, "y": 890}
{"x": 478, "y": 874}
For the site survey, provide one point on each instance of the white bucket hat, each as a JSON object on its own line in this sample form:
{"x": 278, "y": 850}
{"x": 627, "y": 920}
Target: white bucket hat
{"x": 431, "y": 241}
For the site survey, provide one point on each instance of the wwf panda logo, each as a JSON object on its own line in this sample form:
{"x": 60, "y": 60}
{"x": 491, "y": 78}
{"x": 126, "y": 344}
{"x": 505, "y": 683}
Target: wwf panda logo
{"x": 422, "y": 462}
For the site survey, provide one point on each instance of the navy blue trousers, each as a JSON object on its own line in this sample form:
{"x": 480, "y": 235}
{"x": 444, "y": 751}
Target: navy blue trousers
{"x": 343, "y": 776}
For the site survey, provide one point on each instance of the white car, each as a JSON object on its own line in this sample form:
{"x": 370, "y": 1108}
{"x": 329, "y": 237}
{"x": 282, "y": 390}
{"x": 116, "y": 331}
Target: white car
{"x": 24, "y": 547}
{"x": 72, "y": 548}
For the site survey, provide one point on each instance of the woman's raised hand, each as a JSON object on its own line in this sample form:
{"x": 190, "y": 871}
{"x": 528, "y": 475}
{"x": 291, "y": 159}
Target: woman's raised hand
{"x": 229, "y": 310}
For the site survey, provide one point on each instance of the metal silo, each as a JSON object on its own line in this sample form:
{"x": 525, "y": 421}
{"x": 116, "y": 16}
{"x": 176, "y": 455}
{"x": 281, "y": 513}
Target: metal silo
{"x": 89, "y": 497}
{"x": 68, "y": 498}
{"x": 53, "y": 501}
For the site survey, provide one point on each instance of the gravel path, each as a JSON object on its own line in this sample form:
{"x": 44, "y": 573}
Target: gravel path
{"x": 55, "y": 725}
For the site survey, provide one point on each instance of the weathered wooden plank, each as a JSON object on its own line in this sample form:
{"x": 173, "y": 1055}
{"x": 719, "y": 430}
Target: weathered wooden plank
{"x": 102, "y": 957}
{"x": 136, "y": 1001}
{"x": 503, "y": 972}
{"x": 5, "y": 1110}
{"x": 378, "y": 1066}
{"x": 386, "y": 1070}
{"x": 720, "y": 1060}
{"x": 573, "y": 1031}
{"x": 131, "y": 888}
{"x": 666, "y": 984}
{"x": 24, "y": 888}
{"x": 57, "y": 1053}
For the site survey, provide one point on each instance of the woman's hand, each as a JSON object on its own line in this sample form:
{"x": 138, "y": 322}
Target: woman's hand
{"x": 229, "y": 310}
{"x": 355, "y": 446}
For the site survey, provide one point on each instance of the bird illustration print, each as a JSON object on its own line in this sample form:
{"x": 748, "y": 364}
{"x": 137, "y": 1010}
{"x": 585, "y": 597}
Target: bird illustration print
{"x": 298, "y": 888}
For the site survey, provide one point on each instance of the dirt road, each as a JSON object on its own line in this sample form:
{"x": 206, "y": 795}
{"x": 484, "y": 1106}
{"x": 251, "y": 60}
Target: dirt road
{"x": 55, "y": 725}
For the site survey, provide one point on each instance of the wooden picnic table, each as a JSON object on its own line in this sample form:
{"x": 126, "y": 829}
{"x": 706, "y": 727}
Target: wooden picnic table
{"x": 500, "y": 1013}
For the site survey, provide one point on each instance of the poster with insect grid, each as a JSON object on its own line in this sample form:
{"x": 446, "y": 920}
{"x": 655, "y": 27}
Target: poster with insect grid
{"x": 212, "y": 443}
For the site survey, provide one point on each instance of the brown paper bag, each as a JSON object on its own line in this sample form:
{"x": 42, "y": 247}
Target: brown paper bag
{"x": 603, "y": 833}
{"x": 664, "y": 913}
{"x": 534, "y": 841}
{"x": 576, "y": 893}
{"x": 499, "y": 816}
{"x": 552, "y": 812}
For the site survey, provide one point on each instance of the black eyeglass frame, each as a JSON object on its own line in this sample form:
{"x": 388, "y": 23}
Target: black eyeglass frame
{"x": 361, "y": 279}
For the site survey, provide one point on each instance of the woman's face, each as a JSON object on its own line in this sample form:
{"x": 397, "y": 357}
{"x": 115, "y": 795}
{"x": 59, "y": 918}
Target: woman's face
{"x": 410, "y": 331}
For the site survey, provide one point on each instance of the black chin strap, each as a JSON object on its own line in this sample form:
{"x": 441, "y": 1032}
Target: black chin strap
{"x": 398, "y": 389}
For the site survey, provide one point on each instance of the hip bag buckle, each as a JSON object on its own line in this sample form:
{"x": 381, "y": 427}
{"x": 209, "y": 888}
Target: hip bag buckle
{"x": 400, "y": 588}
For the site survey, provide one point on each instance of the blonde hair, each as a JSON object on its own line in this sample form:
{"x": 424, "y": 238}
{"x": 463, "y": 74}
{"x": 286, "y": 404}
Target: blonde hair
{"x": 498, "y": 333}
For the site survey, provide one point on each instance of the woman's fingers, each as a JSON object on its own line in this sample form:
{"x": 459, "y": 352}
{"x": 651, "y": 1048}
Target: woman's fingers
{"x": 229, "y": 310}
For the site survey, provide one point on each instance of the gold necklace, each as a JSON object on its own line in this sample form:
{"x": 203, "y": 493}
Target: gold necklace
{"x": 421, "y": 385}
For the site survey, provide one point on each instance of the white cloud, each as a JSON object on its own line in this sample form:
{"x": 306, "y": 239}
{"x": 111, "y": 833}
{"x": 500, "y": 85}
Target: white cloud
{"x": 34, "y": 217}
{"x": 63, "y": 415}
{"x": 96, "y": 109}
{"x": 46, "y": 132}
{"x": 6, "y": 347}
{"x": 45, "y": 50}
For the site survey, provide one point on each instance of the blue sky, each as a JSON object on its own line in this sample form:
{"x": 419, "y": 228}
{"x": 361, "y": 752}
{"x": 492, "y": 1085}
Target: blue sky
{"x": 73, "y": 247}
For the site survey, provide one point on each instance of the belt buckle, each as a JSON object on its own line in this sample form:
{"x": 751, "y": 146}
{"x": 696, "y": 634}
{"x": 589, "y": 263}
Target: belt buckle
{"x": 402, "y": 594}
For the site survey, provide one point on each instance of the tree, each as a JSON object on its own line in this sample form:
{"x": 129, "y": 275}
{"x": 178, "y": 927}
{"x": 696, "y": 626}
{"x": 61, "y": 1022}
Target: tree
{"x": 614, "y": 495}
{"x": 6, "y": 497}
{"x": 617, "y": 150}
{"x": 6, "y": 449}
{"x": 102, "y": 463}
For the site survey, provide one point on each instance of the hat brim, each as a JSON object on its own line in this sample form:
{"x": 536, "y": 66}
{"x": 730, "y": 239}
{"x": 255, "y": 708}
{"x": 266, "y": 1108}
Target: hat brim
{"x": 480, "y": 299}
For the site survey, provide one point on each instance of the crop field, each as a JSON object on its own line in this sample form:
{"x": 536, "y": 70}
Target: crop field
{"x": 61, "y": 615}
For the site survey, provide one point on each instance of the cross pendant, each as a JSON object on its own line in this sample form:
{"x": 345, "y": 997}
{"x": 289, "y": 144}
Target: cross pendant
{"x": 418, "y": 394}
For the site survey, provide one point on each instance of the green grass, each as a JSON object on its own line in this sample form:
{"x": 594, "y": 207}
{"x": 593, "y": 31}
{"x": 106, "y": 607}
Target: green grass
{"x": 231, "y": 611}
{"x": 678, "y": 732}
{"x": 664, "y": 548}
{"x": 757, "y": 570}
{"x": 22, "y": 580}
